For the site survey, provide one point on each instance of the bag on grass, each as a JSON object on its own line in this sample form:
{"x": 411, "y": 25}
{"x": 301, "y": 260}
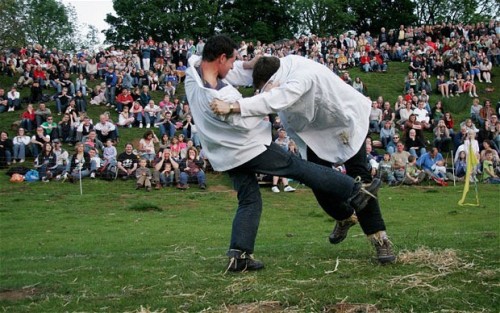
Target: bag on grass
{"x": 17, "y": 170}
{"x": 31, "y": 176}
{"x": 16, "y": 178}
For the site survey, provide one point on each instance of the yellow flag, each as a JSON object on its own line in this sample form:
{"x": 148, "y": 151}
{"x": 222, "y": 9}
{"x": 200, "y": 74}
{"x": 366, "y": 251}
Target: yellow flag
{"x": 471, "y": 164}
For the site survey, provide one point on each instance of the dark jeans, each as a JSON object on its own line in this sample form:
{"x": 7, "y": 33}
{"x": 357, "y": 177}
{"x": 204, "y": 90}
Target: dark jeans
{"x": 277, "y": 162}
{"x": 370, "y": 218}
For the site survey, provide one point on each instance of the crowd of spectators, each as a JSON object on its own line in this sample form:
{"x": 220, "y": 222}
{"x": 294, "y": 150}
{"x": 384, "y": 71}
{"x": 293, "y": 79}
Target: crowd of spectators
{"x": 460, "y": 57}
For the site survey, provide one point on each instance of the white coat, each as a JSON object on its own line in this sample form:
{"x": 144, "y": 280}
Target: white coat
{"x": 316, "y": 107}
{"x": 232, "y": 140}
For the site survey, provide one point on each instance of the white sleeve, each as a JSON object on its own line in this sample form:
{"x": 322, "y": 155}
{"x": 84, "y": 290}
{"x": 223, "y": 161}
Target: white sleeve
{"x": 239, "y": 76}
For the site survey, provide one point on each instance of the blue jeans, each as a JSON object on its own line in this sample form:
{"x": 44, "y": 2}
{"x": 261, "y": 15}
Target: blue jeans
{"x": 110, "y": 94}
{"x": 277, "y": 162}
{"x": 200, "y": 178}
{"x": 370, "y": 218}
{"x": 19, "y": 151}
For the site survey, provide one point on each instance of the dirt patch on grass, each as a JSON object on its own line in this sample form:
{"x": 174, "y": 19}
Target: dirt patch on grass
{"x": 344, "y": 307}
{"x": 18, "y": 294}
{"x": 256, "y": 307}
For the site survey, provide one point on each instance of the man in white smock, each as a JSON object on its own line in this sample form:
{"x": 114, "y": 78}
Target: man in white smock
{"x": 243, "y": 146}
{"x": 329, "y": 120}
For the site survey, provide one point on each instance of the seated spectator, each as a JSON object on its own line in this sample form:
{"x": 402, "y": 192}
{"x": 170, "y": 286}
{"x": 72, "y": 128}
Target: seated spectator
{"x": 91, "y": 141}
{"x": 442, "y": 138}
{"x": 413, "y": 176}
{"x": 405, "y": 113}
{"x": 166, "y": 105}
{"x": 425, "y": 83}
{"x": 442, "y": 86}
{"x": 169, "y": 89}
{"x": 411, "y": 82}
{"x": 164, "y": 142}
{"x": 474, "y": 69}
{"x": 485, "y": 68}
{"x": 191, "y": 170}
{"x": 489, "y": 174}
{"x": 62, "y": 101}
{"x": 4, "y": 102}
{"x": 391, "y": 145}
{"x": 143, "y": 175}
{"x": 372, "y": 160}
{"x": 461, "y": 166}
{"x": 469, "y": 125}
{"x": 109, "y": 153}
{"x": 13, "y": 99}
{"x": 152, "y": 113}
{"x": 41, "y": 114}
{"x": 449, "y": 122}
{"x": 488, "y": 145}
{"x": 453, "y": 86}
{"x": 415, "y": 144}
{"x": 37, "y": 141}
{"x": 62, "y": 159}
{"x": 124, "y": 99}
{"x": 375, "y": 118}
{"x": 437, "y": 113}
{"x": 137, "y": 112}
{"x": 147, "y": 145}
{"x": 190, "y": 131}
{"x": 386, "y": 170}
{"x": 50, "y": 128}
{"x": 167, "y": 125}
{"x": 365, "y": 62}
{"x": 426, "y": 162}
{"x": 166, "y": 170}
{"x": 422, "y": 115}
{"x": 486, "y": 112}
{"x": 125, "y": 118}
{"x": 28, "y": 118}
{"x": 105, "y": 129}
{"x": 20, "y": 145}
{"x": 79, "y": 166}
{"x": 95, "y": 162}
{"x": 386, "y": 133}
{"x": 98, "y": 95}
{"x": 358, "y": 85}
{"x": 439, "y": 170}
{"x": 46, "y": 162}
{"x": 469, "y": 87}
{"x": 6, "y": 147}
{"x": 81, "y": 84}
{"x": 127, "y": 163}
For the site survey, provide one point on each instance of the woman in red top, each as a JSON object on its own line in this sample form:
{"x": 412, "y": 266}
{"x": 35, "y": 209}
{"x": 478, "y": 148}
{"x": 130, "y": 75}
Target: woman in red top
{"x": 28, "y": 118}
{"x": 449, "y": 122}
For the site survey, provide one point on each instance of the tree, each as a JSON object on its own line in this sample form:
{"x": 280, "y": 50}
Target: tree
{"x": 11, "y": 25}
{"x": 466, "y": 11}
{"x": 50, "y": 23}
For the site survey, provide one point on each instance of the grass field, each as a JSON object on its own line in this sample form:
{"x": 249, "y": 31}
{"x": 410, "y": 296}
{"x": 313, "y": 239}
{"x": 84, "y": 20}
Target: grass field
{"x": 114, "y": 249}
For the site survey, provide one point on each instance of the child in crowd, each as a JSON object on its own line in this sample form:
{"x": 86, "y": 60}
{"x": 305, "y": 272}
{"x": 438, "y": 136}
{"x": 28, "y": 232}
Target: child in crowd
{"x": 143, "y": 175}
{"x": 439, "y": 169}
{"x": 413, "y": 176}
{"x": 386, "y": 170}
{"x": 489, "y": 175}
{"x": 109, "y": 152}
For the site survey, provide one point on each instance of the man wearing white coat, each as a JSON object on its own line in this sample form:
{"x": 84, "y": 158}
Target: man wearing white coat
{"x": 327, "y": 118}
{"x": 243, "y": 146}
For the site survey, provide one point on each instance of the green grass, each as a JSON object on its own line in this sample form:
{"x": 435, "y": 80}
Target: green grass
{"x": 115, "y": 249}
{"x": 98, "y": 253}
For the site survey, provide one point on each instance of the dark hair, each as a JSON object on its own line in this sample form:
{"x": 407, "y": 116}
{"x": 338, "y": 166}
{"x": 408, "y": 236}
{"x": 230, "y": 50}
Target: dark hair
{"x": 218, "y": 45}
{"x": 264, "y": 69}
{"x": 411, "y": 158}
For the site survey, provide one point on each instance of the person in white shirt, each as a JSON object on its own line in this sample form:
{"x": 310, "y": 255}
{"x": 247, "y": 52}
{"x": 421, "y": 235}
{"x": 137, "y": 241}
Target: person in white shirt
{"x": 320, "y": 112}
{"x": 151, "y": 113}
{"x": 422, "y": 114}
{"x": 13, "y": 99}
{"x": 243, "y": 146}
{"x": 20, "y": 144}
{"x": 105, "y": 130}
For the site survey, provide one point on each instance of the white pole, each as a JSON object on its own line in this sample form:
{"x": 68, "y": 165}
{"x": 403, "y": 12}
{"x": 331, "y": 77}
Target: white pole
{"x": 81, "y": 188}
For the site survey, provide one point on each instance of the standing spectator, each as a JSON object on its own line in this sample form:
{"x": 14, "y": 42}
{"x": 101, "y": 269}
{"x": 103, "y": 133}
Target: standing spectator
{"x": 143, "y": 176}
{"x": 111, "y": 80}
